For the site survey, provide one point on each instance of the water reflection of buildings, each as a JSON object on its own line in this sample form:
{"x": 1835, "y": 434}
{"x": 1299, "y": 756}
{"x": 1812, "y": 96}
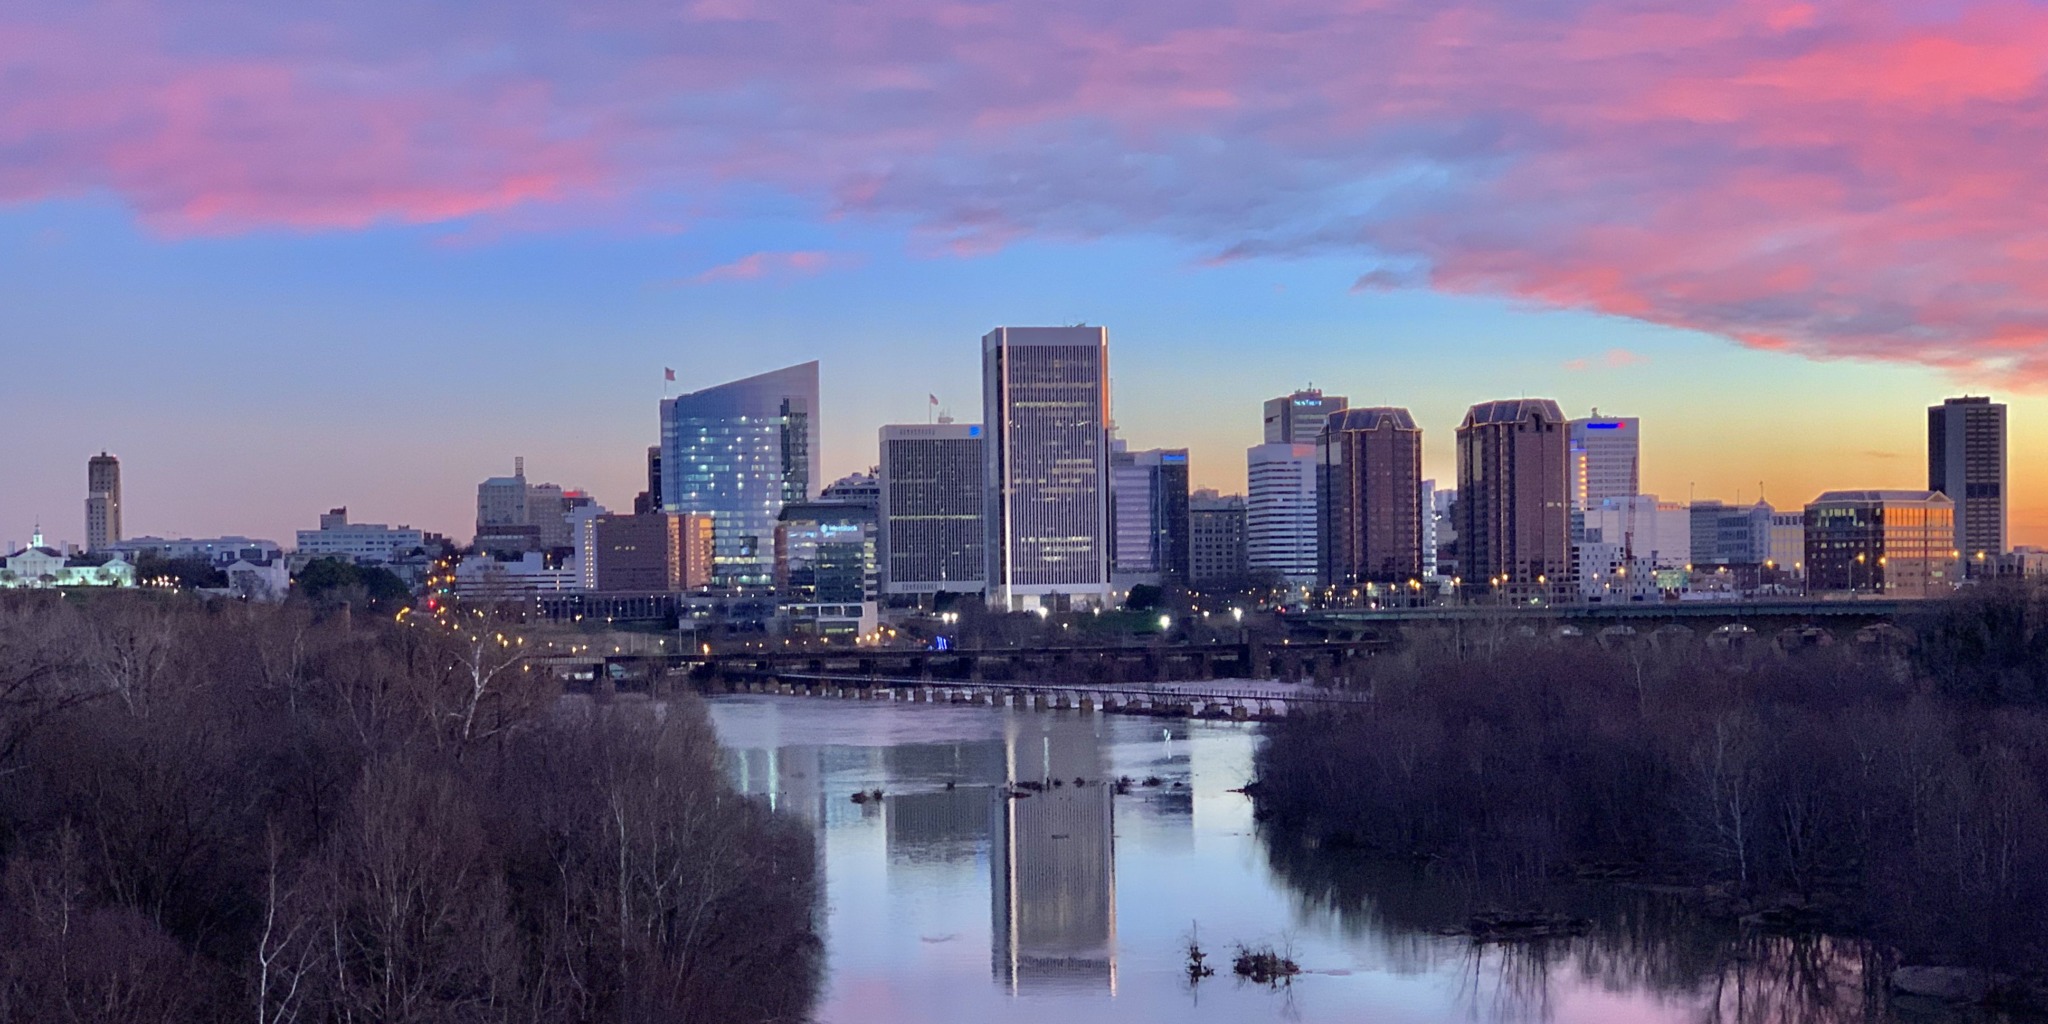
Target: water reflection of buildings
{"x": 791, "y": 779}
{"x": 1052, "y": 860}
{"x": 946, "y": 826}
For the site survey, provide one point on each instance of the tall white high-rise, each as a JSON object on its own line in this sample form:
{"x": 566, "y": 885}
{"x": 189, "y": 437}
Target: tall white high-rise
{"x": 1280, "y": 511}
{"x": 1606, "y": 459}
{"x": 1045, "y": 395}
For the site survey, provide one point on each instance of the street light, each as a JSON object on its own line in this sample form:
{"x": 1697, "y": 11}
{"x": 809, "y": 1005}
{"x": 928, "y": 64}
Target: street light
{"x": 1165, "y": 622}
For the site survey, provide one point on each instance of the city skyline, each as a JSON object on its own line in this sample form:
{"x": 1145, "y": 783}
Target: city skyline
{"x": 612, "y": 476}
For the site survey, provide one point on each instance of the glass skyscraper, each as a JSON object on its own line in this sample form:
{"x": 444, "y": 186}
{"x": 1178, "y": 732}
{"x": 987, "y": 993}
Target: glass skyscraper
{"x": 739, "y": 452}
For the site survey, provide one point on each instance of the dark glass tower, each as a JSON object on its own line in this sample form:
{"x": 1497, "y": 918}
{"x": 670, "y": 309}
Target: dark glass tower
{"x": 1966, "y": 462}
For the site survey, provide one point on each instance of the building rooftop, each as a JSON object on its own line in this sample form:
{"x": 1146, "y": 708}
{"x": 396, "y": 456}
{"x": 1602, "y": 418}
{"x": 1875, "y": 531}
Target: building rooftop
{"x": 1373, "y": 418}
{"x": 1514, "y": 410}
{"x": 1851, "y": 497}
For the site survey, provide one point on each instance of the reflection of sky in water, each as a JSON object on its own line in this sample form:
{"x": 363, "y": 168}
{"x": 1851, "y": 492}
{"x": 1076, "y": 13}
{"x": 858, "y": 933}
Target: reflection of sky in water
{"x": 916, "y": 932}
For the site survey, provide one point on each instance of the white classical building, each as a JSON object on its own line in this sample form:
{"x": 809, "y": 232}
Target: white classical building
{"x": 40, "y": 565}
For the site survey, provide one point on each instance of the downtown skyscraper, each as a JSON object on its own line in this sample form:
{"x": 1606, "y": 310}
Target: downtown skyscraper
{"x": 1298, "y": 418}
{"x": 1966, "y": 462}
{"x": 1045, "y": 396}
{"x": 1369, "y": 493}
{"x": 1280, "y": 512}
{"x": 1149, "y": 506}
{"x": 934, "y": 529}
{"x": 739, "y": 452}
{"x": 1606, "y": 459}
{"x": 1514, "y": 498}
{"x": 102, "y": 501}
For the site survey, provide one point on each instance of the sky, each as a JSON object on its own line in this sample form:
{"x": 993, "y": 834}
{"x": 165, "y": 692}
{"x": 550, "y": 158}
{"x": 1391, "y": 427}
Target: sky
{"x": 285, "y": 258}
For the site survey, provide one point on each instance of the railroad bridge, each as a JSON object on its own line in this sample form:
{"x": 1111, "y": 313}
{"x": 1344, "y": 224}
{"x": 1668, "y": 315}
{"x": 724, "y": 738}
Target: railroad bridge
{"x": 1328, "y": 663}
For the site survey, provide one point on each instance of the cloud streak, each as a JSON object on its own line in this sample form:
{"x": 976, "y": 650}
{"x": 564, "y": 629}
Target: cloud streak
{"x": 1612, "y": 359}
{"x": 1841, "y": 181}
{"x": 757, "y": 265}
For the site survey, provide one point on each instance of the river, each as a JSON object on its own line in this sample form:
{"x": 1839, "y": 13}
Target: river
{"x": 948, "y": 903}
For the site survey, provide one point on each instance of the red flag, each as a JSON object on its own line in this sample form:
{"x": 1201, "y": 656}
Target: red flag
{"x": 668, "y": 374}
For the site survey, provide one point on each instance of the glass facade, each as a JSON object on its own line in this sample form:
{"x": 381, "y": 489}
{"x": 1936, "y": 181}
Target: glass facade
{"x": 738, "y": 453}
{"x": 1149, "y": 505}
{"x": 825, "y": 567}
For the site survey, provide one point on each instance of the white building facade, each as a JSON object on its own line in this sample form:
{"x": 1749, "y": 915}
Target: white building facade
{"x": 362, "y": 543}
{"x": 1606, "y": 459}
{"x": 1280, "y": 511}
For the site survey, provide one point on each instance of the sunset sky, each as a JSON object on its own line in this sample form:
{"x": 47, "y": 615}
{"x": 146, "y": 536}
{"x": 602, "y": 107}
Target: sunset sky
{"x": 284, "y": 257}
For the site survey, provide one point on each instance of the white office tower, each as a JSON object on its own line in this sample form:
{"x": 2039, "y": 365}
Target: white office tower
{"x": 1045, "y": 395}
{"x": 1298, "y": 418}
{"x": 1425, "y": 499}
{"x": 930, "y": 507}
{"x": 1280, "y": 512}
{"x": 1606, "y": 459}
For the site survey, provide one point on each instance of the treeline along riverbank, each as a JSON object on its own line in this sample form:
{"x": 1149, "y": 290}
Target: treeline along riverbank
{"x": 231, "y": 812}
{"x": 1894, "y": 793}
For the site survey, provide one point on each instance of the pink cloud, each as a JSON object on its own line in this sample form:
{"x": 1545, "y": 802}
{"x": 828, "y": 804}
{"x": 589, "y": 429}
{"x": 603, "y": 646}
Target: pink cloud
{"x": 1839, "y": 181}
{"x": 757, "y": 265}
{"x": 1612, "y": 359}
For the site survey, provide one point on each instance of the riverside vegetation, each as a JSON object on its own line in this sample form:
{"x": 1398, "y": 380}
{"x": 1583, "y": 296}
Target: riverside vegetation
{"x": 218, "y": 811}
{"x": 1892, "y": 791}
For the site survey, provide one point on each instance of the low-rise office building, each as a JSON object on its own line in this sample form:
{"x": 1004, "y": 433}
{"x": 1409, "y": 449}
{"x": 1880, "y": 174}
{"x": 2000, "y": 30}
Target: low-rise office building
{"x": 361, "y": 543}
{"x": 1895, "y": 543}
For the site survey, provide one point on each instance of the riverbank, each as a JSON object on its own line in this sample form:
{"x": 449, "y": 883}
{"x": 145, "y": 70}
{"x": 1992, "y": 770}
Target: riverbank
{"x": 209, "y": 808}
{"x": 1831, "y": 789}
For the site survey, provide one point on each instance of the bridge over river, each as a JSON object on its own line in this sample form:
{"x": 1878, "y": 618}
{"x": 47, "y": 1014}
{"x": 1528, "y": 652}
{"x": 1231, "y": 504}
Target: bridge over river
{"x": 1242, "y": 701}
{"x": 1326, "y": 662}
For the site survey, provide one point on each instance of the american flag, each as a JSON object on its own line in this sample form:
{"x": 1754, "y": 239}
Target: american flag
{"x": 667, "y": 373}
